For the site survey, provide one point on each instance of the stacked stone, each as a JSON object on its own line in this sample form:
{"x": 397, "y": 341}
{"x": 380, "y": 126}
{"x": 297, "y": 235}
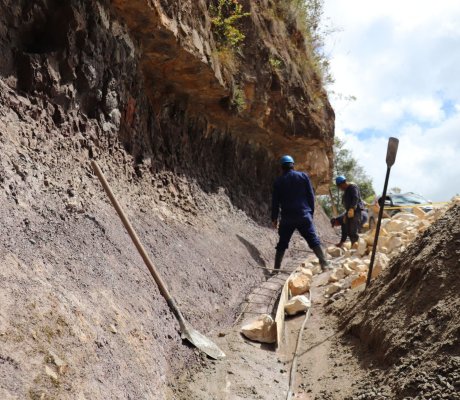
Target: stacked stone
{"x": 351, "y": 265}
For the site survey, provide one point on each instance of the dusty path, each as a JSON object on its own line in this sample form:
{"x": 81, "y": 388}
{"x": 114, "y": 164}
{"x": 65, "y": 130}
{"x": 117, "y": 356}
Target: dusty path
{"x": 327, "y": 367}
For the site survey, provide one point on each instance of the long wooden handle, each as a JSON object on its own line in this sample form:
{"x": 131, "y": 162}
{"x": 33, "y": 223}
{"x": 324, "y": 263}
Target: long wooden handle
{"x": 161, "y": 285}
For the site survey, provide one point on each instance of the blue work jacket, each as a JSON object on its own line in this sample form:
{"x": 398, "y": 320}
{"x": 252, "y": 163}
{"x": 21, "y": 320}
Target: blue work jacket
{"x": 294, "y": 194}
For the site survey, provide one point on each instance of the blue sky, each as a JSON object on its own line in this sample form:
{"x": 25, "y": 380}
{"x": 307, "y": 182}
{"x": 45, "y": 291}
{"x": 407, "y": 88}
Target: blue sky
{"x": 401, "y": 60}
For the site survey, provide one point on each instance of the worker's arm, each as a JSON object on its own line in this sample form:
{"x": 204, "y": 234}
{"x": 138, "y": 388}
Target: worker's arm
{"x": 310, "y": 194}
{"x": 275, "y": 203}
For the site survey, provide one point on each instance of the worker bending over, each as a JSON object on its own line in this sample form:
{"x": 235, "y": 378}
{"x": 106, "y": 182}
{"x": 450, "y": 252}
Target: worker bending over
{"x": 352, "y": 219}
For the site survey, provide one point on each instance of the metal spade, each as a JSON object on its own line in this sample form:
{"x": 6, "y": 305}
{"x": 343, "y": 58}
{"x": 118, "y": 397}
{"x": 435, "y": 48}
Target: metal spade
{"x": 200, "y": 341}
{"x": 390, "y": 160}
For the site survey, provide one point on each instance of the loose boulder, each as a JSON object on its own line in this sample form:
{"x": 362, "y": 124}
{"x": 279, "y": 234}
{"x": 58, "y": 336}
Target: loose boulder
{"x": 299, "y": 283}
{"x": 334, "y": 251}
{"x": 297, "y": 305}
{"x": 262, "y": 330}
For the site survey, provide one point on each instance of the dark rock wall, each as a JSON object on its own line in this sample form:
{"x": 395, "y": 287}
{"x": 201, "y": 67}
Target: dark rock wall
{"x": 148, "y": 86}
{"x": 79, "y": 58}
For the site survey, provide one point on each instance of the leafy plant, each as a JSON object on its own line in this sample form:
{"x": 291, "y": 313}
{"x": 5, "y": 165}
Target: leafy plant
{"x": 275, "y": 62}
{"x": 225, "y": 17}
{"x": 238, "y": 100}
{"x": 306, "y": 16}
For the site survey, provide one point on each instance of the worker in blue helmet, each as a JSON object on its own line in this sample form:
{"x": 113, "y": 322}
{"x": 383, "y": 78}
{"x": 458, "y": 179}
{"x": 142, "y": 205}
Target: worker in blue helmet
{"x": 354, "y": 216}
{"x": 294, "y": 195}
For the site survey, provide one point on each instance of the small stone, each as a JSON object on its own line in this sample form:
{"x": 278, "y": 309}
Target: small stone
{"x": 61, "y": 365}
{"x": 396, "y": 225}
{"x": 362, "y": 247}
{"x": 113, "y": 329}
{"x": 335, "y": 251}
{"x": 419, "y": 212}
{"x": 334, "y": 288}
{"x": 50, "y": 372}
{"x": 338, "y": 274}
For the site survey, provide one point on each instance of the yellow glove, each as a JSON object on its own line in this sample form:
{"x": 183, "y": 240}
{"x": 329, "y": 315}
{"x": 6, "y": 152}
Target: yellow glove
{"x": 351, "y": 213}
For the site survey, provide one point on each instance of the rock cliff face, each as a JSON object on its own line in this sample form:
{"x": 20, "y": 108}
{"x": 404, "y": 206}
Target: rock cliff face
{"x": 149, "y": 73}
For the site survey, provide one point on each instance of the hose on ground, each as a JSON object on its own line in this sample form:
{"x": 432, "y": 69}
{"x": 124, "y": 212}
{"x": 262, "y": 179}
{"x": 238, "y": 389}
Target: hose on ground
{"x": 293, "y": 370}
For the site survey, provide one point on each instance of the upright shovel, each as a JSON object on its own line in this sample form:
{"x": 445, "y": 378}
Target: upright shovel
{"x": 200, "y": 341}
{"x": 390, "y": 160}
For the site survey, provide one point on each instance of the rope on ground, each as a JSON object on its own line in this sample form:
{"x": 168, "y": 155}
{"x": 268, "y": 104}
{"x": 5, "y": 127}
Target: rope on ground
{"x": 293, "y": 371}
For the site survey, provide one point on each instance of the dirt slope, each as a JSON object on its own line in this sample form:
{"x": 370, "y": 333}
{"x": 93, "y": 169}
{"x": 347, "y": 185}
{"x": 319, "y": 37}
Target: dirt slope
{"x": 408, "y": 321}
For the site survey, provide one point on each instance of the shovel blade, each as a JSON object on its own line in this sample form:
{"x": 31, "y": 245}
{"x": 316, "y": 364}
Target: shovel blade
{"x": 202, "y": 343}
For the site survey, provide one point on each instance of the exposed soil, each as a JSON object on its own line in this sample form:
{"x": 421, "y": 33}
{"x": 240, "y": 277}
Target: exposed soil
{"x": 408, "y": 321}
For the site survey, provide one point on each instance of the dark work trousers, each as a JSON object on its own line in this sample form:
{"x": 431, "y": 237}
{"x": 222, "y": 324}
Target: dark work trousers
{"x": 353, "y": 226}
{"x": 305, "y": 227}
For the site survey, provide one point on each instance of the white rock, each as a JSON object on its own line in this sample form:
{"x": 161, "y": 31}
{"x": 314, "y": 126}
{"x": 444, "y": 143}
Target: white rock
{"x": 338, "y": 274}
{"x": 299, "y": 283}
{"x": 334, "y": 251}
{"x": 396, "y": 225}
{"x": 305, "y": 271}
{"x": 381, "y": 260}
{"x": 369, "y": 237}
{"x": 51, "y": 373}
{"x": 383, "y": 243}
{"x": 334, "y": 288}
{"x": 361, "y": 268}
{"x": 316, "y": 269}
{"x": 308, "y": 265}
{"x": 394, "y": 243}
{"x": 408, "y": 217}
{"x": 419, "y": 212}
{"x": 262, "y": 330}
{"x": 362, "y": 247}
{"x": 354, "y": 263}
{"x": 347, "y": 270}
{"x": 297, "y": 304}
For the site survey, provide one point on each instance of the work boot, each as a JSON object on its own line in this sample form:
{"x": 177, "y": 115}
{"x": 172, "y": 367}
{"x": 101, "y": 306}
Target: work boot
{"x": 278, "y": 258}
{"x": 322, "y": 259}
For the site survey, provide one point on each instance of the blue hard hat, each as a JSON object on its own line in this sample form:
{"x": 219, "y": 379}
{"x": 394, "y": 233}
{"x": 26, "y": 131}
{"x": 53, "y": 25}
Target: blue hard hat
{"x": 340, "y": 179}
{"x": 286, "y": 160}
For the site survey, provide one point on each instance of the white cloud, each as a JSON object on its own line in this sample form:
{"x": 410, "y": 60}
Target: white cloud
{"x": 401, "y": 60}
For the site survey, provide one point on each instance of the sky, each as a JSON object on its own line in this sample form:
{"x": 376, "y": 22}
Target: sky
{"x": 401, "y": 60}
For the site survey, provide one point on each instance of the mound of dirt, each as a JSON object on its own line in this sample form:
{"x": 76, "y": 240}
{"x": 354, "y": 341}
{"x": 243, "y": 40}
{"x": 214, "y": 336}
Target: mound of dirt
{"x": 409, "y": 319}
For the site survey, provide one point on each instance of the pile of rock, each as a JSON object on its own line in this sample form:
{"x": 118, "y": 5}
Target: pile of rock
{"x": 299, "y": 284}
{"x": 351, "y": 265}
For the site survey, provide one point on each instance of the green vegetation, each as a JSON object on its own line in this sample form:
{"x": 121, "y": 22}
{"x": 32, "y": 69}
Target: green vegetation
{"x": 345, "y": 164}
{"x": 225, "y": 18}
{"x": 238, "y": 101}
{"x": 275, "y": 62}
{"x": 305, "y": 16}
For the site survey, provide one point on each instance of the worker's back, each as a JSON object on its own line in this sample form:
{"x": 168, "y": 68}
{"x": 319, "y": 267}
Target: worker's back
{"x": 294, "y": 194}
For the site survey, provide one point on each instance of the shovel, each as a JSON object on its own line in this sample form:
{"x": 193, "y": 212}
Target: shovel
{"x": 200, "y": 341}
{"x": 392, "y": 149}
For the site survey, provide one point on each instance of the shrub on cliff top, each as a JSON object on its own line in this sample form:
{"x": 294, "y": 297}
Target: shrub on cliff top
{"x": 305, "y": 16}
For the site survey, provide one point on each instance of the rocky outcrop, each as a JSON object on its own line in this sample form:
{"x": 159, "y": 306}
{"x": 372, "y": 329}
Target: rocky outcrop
{"x": 285, "y": 111}
{"x": 150, "y": 75}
